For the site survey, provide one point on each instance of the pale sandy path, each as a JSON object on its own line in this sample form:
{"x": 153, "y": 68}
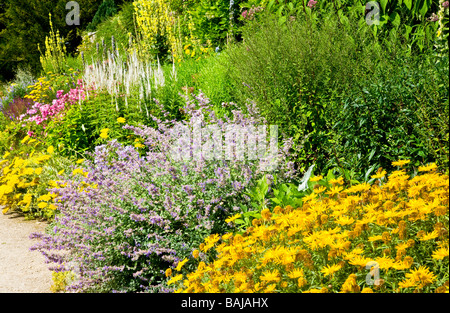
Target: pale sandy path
{"x": 21, "y": 270}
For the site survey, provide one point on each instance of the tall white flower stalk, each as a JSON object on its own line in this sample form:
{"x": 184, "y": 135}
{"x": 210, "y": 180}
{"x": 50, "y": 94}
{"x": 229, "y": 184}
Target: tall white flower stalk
{"x": 133, "y": 79}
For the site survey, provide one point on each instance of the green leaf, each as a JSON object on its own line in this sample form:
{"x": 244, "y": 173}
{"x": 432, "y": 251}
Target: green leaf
{"x": 383, "y": 4}
{"x": 408, "y": 4}
{"x": 395, "y": 19}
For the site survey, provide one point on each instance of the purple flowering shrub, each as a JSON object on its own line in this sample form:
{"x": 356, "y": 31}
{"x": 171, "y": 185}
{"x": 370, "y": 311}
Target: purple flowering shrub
{"x": 125, "y": 218}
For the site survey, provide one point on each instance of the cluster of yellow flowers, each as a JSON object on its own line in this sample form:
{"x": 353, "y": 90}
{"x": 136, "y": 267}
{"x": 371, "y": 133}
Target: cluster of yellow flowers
{"x": 55, "y": 51}
{"x": 153, "y": 18}
{"x": 39, "y": 91}
{"x": 391, "y": 236}
{"x": 19, "y": 179}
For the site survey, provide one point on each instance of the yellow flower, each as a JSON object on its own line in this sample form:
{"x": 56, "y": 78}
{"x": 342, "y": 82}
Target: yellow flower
{"x": 428, "y": 236}
{"x": 38, "y": 171}
{"x": 50, "y": 150}
{"x": 232, "y": 218}
{"x": 270, "y": 288}
{"x": 344, "y": 220}
{"x": 296, "y": 273}
{"x": 379, "y": 174}
{"x": 334, "y": 190}
{"x": 168, "y": 272}
{"x": 180, "y": 264}
{"x": 400, "y": 162}
{"x": 121, "y": 120}
{"x": 79, "y": 161}
{"x": 331, "y": 269}
{"x": 24, "y": 139}
{"x": 440, "y": 253}
{"x": 316, "y": 178}
{"x": 42, "y": 205}
{"x": 104, "y": 133}
{"x": 337, "y": 181}
{"x": 175, "y": 279}
{"x": 270, "y": 276}
{"x": 44, "y": 198}
{"x": 195, "y": 253}
{"x": 367, "y": 290}
{"x": 427, "y": 168}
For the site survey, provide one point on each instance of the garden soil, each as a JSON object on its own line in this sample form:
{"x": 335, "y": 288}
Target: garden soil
{"x": 21, "y": 270}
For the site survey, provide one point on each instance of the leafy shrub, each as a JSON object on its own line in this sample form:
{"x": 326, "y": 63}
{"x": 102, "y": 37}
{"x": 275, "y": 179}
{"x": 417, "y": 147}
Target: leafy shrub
{"x": 391, "y": 236}
{"x": 119, "y": 29}
{"x": 296, "y": 73}
{"x": 137, "y": 215}
{"x": 106, "y": 9}
{"x": 400, "y": 111}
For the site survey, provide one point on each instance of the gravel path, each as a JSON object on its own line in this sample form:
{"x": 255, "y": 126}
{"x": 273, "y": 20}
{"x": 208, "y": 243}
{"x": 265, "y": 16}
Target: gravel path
{"x": 21, "y": 270}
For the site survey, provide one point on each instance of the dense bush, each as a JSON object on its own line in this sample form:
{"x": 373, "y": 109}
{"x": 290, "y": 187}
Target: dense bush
{"x": 296, "y": 73}
{"x": 348, "y": 99}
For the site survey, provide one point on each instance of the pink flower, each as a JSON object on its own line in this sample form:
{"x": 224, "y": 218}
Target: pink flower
{"x": 433, "y": 18}
{"x": 312, "y": 3}
{"x": 244, "y": 14}
{"x": 445, "y": 4}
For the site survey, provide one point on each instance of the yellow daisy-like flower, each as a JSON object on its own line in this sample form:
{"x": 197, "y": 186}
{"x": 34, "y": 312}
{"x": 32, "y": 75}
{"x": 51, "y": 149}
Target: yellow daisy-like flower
{"x": 80, "y": 161}
{"x": 175, "y": 279}
{"x": 316, "y": 178}
{"x": 50, "y": 150}
{"x": 232, "y": 218}
{"x": 121, "y": 120}
{"x": 329, "y": 270}
{"x": 296, "y": 273}
{"x": 380, "y": 174}
{"x": 428, "y": 168}
{"x": 271, "y": 276}
{"x": 38, "y": 171}
{"x": 428, "y": 236}
{"x": 400, "y": 162}
{"x": 334, "y": 191}
{"x": 180, "y": 264}
{"x": 337, "y": 181}
{"x": 440, "y": 254}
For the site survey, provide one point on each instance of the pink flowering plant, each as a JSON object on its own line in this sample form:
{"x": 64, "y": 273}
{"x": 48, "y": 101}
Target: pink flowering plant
{"x": 125, "y": 218}
{"x": 40, "y": 113}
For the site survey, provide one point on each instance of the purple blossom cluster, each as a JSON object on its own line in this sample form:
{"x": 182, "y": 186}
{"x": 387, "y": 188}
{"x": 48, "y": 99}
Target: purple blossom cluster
{"x": 133, "y": 216}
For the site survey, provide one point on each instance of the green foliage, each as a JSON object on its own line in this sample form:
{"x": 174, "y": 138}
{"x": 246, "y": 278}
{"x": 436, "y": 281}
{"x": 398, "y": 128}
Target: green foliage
{"x": 400, "y": 112}
{"x": 214, "y": 20}
{"x": 106, "y": 9}
{"x": 120, "y": 26}
{"x": 296, "y": 72}
{"x": 25, "y": 25}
